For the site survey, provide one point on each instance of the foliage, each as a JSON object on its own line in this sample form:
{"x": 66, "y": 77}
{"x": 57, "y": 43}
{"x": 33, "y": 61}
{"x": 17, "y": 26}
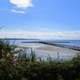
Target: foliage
{"x": 28, "y": 68}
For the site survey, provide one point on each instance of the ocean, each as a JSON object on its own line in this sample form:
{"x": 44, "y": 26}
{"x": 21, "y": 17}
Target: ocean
{"x": 75, "y": 43}
{"x": 70, "y": 42}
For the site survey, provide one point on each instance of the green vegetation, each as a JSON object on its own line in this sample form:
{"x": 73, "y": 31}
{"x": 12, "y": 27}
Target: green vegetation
{"x": 26, "y": 67}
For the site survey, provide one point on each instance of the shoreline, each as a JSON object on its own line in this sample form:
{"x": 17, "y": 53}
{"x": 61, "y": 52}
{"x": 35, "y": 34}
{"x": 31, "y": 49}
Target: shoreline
{"x": 44, "y": 51}
{"x": 48, "y": 48}
{"x": 57, "y": 44}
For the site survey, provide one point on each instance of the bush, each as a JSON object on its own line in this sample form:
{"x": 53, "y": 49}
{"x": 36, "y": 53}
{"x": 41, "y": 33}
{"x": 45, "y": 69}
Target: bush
{"x": 31, "y": 69}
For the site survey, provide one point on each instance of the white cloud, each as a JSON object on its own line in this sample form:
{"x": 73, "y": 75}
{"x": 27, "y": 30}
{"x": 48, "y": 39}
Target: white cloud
{"x": 19, "y": 6}
{"x": 22, "y": 4}
{"x": 17, "y": 11}
{"x": 41, "y": 35}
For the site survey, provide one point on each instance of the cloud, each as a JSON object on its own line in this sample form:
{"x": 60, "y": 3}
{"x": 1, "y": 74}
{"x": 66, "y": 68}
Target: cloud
{"x": 18, "y": 6}
{"x": 41, "y": 35}
{"x": 17, "y": 11}
{"x": 22, "y": 4}
{"x": 12, "y": 10}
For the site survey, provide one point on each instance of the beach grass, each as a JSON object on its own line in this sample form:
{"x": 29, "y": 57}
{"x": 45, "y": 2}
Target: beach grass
{"x": 27, "y": 67}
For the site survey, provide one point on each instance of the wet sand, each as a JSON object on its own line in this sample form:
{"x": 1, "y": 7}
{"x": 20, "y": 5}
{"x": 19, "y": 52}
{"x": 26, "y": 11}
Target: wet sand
{"x": 51, "y": 49}
{"x": 44, "y": 50}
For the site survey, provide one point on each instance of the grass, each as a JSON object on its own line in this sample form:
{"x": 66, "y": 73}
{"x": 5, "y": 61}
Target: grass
{"x": 25, "y": 67}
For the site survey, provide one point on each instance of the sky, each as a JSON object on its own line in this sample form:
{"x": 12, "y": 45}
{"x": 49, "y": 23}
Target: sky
{"x": 44, "y": 19}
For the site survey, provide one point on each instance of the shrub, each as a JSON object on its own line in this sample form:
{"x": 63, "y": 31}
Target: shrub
{"x": 28, "y": 68}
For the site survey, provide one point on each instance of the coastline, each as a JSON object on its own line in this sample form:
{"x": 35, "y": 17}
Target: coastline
{"x": 45, "y": 50}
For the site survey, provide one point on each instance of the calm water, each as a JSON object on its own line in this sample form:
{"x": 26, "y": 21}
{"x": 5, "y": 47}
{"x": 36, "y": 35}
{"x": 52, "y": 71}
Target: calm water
{"x": 69, "y": 42}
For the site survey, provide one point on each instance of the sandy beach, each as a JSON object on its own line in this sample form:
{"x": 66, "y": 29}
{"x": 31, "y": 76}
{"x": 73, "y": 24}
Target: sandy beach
{"x": 51, "y": 49}
{"x": 44, "y": 50}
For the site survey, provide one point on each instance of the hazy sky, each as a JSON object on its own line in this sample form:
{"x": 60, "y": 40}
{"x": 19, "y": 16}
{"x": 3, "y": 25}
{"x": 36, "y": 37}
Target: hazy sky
{"x": 40, "y": 18}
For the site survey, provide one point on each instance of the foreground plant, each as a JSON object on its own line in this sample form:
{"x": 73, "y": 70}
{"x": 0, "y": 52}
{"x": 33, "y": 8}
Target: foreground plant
{"x": 29, "y": 68}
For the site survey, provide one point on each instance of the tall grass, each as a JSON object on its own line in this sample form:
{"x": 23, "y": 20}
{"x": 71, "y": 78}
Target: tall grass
{"x": 29, "y": 68}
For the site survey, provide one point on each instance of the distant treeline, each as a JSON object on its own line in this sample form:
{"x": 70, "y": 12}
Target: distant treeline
{"x": 17, "y": 39}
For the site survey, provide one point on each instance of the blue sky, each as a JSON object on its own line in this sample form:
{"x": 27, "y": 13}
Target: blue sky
{"x": 41, "y": 16}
